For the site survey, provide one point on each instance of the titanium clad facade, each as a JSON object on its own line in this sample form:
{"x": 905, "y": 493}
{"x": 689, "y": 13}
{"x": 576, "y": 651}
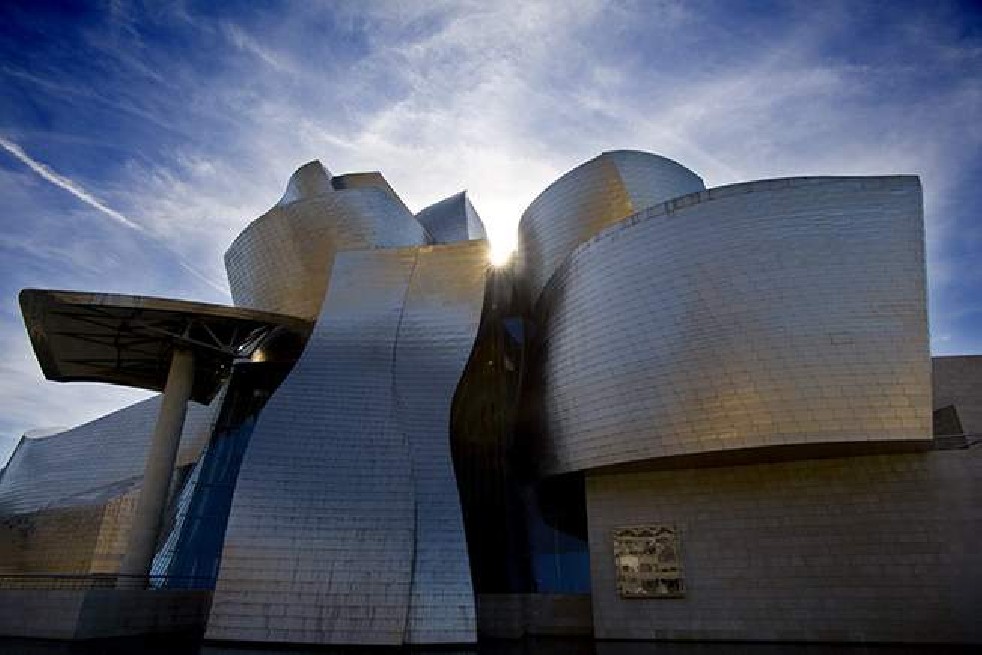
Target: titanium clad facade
{"x": 682, "y": 406}
{"x": 282, "y": 261}
{"x": 589, "y": 198}
{"x": 763, "y": 314}
{"x": 437, "y": 330}
{"x": 85, "y": 464}
{"x": 452, "y": 219}
{"x": 321, "y": 525}
{"x": 345, "y": 525}
{"x": 67, "y": 500}
{"x": 309, "y": 181}
{"x": 373, "y": 179}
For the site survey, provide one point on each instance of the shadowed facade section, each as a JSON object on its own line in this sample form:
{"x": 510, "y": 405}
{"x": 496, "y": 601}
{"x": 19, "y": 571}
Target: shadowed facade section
{"x": 345, "y": 526}
{"x": 957, "y": 382}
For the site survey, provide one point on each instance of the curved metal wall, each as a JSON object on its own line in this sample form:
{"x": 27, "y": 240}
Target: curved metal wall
{"x": 282, "y": 261}
{"x": 85, "y": 464}
{"x": 67, "y": 500}
{"x": 345, "y": 525}
{"x": 589, "y": 198}
{"x": 770, "y": 313}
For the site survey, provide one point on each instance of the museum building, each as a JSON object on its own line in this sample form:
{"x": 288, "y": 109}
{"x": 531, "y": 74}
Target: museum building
{"x": 677, "y": 413}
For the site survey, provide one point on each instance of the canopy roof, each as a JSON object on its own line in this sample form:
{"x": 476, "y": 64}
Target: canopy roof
{"x": 128, "y": 340}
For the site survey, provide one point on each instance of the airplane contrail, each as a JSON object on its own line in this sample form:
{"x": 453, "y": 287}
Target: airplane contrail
{"x": 65, "y": 183}
{"x": 73, "y": 188}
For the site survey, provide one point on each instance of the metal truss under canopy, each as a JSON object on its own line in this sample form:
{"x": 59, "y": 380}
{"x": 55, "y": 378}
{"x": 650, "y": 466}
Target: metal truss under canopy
{"x": 128, "y": 340}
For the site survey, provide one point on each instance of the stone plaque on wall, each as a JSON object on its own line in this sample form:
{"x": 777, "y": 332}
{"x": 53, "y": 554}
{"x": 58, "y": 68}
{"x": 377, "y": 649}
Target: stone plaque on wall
{"x": 649, "y": 562}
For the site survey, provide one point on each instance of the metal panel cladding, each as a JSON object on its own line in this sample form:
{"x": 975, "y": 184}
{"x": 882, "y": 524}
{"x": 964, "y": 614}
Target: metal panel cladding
{"x": 84, "y": 464}
{"x": 452, "y": 219}
{"x": 282, "y": 261}
{"x": 770, "y": 313}
{"x": 589, "y": 198}
{"x": 67, "y": 500}
{"x": 345, "y": 527}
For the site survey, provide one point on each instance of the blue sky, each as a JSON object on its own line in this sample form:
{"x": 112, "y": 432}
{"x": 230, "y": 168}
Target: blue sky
{"x": 137, "y": 139}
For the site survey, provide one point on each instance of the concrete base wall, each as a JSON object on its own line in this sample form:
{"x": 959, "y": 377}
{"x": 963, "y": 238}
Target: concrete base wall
{"x": 513, "y": 616}
{"x": 95, "y": 613}
{"x": 861, "y": 549}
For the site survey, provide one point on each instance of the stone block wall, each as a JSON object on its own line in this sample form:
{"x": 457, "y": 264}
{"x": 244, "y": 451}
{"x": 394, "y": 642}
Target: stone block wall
{"x": 868, "y": 549}
{"x": 958, "y": 381}
{"x": 514, "y": 616}
{"x": 100, "y": 613}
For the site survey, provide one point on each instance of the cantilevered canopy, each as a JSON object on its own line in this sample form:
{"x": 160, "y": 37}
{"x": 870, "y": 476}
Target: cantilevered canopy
{"x": 128, "y": 340}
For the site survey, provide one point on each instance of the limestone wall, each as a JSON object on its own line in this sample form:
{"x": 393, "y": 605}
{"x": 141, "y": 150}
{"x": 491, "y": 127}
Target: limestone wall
{"x": 958, "y": 381}
{"x": 874, "y": 548}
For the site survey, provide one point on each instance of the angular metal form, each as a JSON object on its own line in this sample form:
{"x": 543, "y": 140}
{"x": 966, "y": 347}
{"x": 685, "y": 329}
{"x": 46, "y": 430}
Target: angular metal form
{"x": 773, "y": 313}
{"x": 452, "y": 219}
{"x": 587, "y": 199}
{"x": 128, "y": 340}
{"x": 345, "y": 526}
{"x": 282, "y": 261}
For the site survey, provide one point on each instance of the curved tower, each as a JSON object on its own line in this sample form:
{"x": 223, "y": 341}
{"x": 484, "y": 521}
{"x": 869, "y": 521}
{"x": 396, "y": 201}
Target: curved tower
{"x": 587, "y": 199}
{"x": 762, "y": 314}
{"x": 282, "y": 261}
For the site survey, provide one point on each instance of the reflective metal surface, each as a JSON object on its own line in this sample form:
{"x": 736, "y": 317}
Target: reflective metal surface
{"x": 345, "y": 525}
{"x": 66, "y": 500}
{"x": 762, "y": 314}
{"x": 649, "y": 322}
{"x": 371, "y": 179}
{"x": 589, "y": 198}
{"x": 282, "y": 261}
{"x": 452, "y": 219}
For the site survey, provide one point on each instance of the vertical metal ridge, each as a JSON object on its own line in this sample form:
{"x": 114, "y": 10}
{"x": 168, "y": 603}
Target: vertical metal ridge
{"x": 442, "y": 313}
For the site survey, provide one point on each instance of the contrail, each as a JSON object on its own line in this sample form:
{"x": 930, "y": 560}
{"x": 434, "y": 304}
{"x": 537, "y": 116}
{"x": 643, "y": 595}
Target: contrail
{"x": 65, "y": 183}
{"x": 71, "y": 187}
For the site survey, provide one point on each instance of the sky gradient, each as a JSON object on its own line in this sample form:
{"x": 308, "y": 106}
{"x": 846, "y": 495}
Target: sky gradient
{"x": 137, "y": 139}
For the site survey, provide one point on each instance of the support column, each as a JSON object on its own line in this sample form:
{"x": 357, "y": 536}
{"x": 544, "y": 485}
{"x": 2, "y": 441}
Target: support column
{"x": 158, "y": 471}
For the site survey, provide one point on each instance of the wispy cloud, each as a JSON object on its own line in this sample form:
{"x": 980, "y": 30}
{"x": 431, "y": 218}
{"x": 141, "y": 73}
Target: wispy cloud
{"x": 76, "y": 190}
{"x": 243, "y": 41}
